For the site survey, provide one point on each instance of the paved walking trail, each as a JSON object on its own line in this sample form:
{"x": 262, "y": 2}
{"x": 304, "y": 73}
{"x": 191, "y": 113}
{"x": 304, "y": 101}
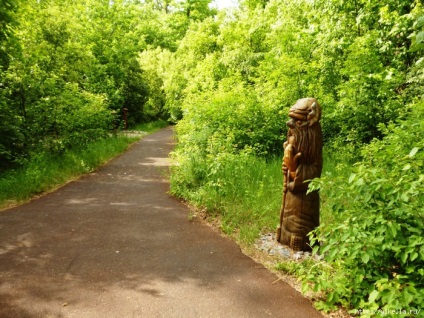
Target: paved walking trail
{"x": 115, "y": 244}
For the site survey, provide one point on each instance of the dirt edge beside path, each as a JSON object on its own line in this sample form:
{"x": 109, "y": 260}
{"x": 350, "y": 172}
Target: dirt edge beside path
{"x": 114, "y": 244}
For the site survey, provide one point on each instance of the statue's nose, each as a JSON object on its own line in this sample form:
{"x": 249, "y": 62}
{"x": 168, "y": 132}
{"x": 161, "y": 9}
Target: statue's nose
{"x": 291, "y": 123}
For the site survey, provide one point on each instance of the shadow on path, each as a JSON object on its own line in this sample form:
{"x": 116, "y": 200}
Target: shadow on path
{"x": 115, "y": 244}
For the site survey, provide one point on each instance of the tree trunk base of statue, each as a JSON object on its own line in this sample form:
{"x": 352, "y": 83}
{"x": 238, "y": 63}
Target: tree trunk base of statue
{"x": 293, "y": 241}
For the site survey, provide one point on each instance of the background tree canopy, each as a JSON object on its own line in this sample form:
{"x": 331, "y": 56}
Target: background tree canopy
{"x": 227, "y": 79}
{"x": 69, "y": 68}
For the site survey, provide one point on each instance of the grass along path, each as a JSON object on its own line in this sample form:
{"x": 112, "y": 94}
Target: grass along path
{"x": 47, "y": 172}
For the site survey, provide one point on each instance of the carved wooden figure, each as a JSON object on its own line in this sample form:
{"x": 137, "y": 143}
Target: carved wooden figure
{"x": 302, "y": 161}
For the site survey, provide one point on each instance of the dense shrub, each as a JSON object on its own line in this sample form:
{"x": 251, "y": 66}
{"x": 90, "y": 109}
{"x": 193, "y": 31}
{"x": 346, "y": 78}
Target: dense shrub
{"x": 225, "y": 122}
{"x": 376, "y": 247}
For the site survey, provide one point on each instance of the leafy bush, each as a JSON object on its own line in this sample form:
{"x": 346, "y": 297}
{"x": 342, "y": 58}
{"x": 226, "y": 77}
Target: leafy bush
{"x": 224, "y": 140}
{"x": 376, "y": 251}
{"x": 217, "y": 125}
{"x": 241, "y": 190}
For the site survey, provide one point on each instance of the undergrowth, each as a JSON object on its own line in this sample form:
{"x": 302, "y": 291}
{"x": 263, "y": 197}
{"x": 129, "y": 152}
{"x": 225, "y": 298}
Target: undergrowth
{"x": 373, "y": 247}
{"x": 371, "y": 232}
{"x": 243, "y": 191}
{"x": 151, "y": 126}
{"x": 46, "y": 171}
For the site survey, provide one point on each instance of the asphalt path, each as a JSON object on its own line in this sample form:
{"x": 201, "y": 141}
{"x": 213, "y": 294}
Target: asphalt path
{"x": 114, "y": 244}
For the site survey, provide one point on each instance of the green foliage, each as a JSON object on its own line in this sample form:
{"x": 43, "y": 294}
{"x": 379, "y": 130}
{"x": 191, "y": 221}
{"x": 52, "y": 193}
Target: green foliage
{"x": 7, "y": 39}
{"x": 230, "y": 121}
{"x": 6, "y": 17}
{"x": 151, "y": 126}
{"x": 225, "y": 123}
{"x": 415, "y": 77}
{"x": 155, "y": 64}
{"x": 241, "y": 190}
{"x": 69, "y": 69}
{"x": 10, "y": 133}
{"x": 231, "y": 81}
{"x": 44, "y": 172}
{"x": 368, "y": 54}
{"x": 9, "y": 124}
{"x": 417, "y": 36}
{"x": 368, "y": 80}
{"x": 376, "y": 248}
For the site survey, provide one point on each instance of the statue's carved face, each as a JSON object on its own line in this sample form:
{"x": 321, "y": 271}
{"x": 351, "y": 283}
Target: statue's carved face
{"x": 304, "y": 133}
{"x": 305, "y": 113}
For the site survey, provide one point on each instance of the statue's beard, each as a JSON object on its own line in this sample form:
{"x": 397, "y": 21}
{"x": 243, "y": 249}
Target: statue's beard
{"x": 308, "y": 141}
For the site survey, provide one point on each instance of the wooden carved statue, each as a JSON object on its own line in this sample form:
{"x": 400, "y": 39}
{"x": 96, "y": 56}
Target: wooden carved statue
{"x": 302, "y": 161}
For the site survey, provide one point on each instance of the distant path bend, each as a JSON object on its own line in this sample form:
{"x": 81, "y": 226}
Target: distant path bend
{"x": 115, "y": 244}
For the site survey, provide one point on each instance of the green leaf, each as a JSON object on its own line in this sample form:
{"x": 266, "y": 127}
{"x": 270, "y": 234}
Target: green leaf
{"x": 413, "y": 256}
{"x": 352, "y": 177}
{"x": 392, "y": 228}
{"x": 365, "y": 258}
{"x": 403, "y": 257}
{"x": 360, "y": 182}
{"x": 373, "y": 296}
{"x": 408, "y": 297}
{"x": 413, "y": 152}
{"x": 420, "y": 37}
{"x": 420, "y": 22}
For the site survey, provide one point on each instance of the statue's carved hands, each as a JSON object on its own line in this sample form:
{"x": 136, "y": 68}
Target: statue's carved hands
{"x": 291, "y": 160}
